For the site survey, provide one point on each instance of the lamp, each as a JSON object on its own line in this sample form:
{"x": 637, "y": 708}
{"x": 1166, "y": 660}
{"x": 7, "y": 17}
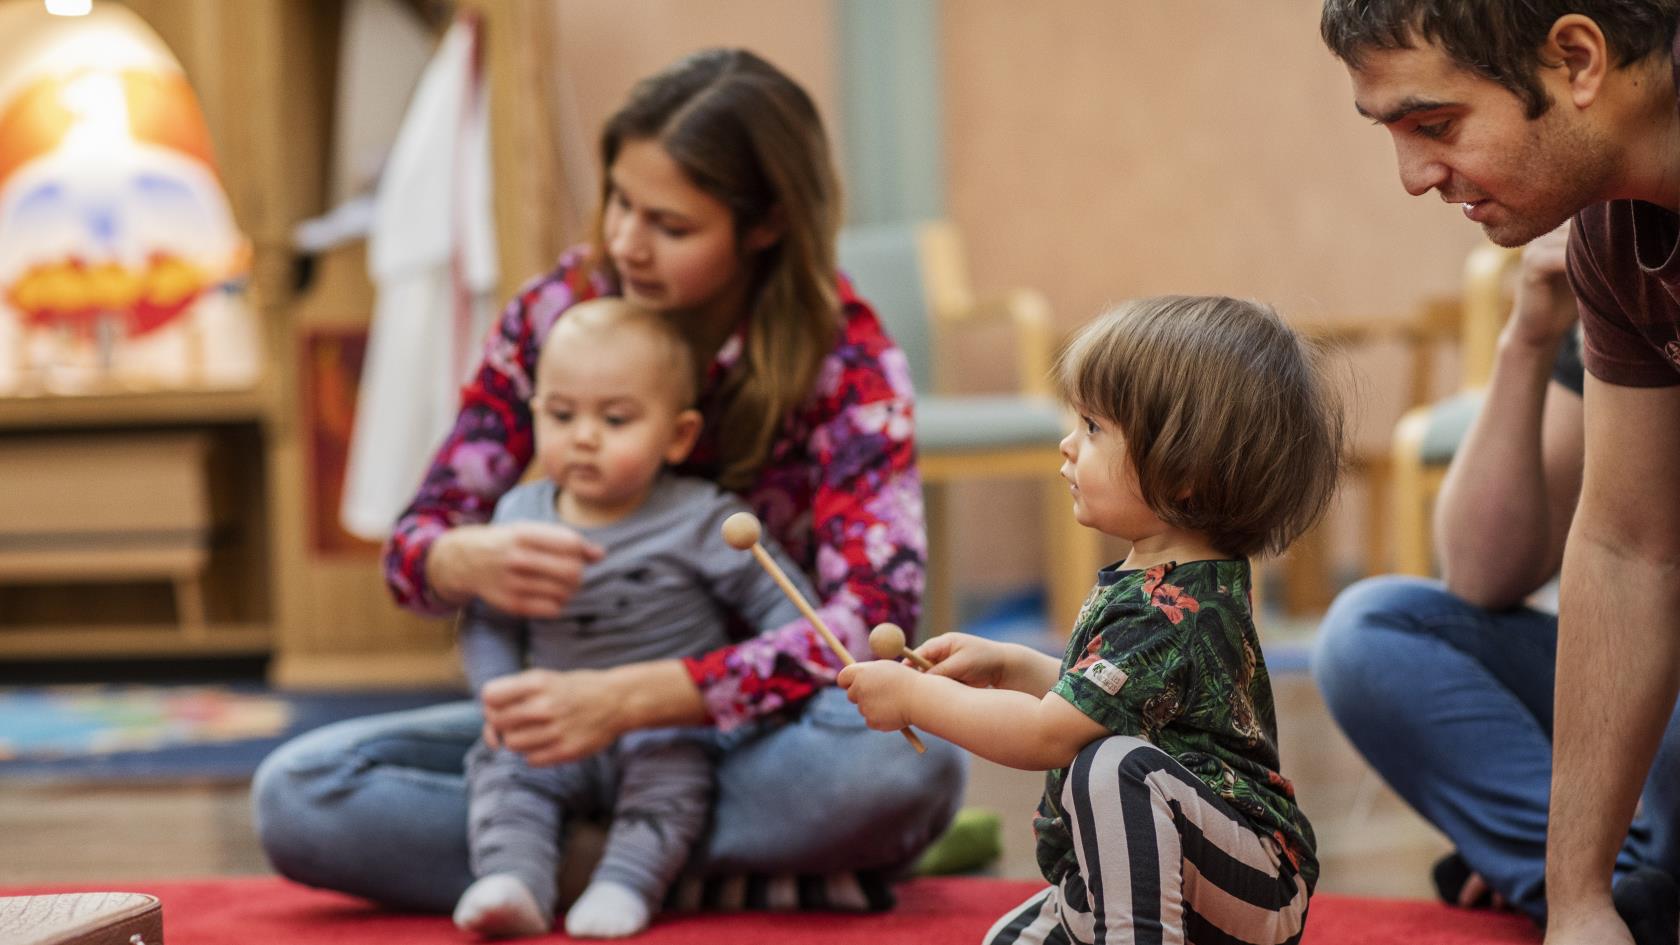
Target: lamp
{"x": 121, "y": 268}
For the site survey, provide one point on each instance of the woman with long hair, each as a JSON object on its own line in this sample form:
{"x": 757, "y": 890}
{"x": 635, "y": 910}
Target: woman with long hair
{"x": 719, "y": 208}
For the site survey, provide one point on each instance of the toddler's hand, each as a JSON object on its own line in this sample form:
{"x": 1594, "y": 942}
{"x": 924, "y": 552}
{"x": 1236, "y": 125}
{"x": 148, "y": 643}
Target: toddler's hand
{"x": 881, "y": 689}
{"x": 490, "y": 737}
{"x": 968, "y": 659}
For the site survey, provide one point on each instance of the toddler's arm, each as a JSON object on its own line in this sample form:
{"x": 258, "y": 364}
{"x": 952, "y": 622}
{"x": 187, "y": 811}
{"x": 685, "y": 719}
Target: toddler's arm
{"x": 1003, "y": 725}
{"x": 977, "y": 661}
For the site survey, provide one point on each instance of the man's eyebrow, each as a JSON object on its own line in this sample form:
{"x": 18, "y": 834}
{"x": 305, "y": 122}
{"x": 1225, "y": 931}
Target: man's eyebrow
{"x": 1408, "y": 106}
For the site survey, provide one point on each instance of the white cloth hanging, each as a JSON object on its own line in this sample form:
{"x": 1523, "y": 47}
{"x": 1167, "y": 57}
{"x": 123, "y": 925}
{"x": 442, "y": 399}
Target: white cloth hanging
{"x": 432, "y": 259}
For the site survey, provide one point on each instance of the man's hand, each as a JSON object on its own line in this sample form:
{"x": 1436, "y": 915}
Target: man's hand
{"x": 528, "y": 569}
{"x": 1599, "y": 926}
{"x": 1544, "y": 309}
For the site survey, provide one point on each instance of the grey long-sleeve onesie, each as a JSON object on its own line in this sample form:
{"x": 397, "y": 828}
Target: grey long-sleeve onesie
{"x": 667, "y": 587}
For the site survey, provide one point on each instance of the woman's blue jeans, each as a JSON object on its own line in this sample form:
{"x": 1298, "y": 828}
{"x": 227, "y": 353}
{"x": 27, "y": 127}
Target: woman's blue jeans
{"x": 1452, "y": 705}
{"x": 377, "y": 807}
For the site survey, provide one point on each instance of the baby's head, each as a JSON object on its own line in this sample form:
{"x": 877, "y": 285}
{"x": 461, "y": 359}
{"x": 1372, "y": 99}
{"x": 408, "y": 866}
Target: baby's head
{"x": 615, "y": 389}
{"x": 1228, "y": 422}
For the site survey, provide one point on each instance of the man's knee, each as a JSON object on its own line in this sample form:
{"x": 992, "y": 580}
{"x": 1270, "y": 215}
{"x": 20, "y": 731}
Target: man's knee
{"x": 1343, "y": 654}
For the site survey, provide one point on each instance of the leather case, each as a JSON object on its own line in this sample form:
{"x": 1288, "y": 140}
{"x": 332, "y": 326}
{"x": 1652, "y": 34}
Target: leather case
{"x": 108, "y": 918}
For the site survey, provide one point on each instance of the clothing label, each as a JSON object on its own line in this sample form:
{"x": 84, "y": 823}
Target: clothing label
{"x": 1106, "y": 675}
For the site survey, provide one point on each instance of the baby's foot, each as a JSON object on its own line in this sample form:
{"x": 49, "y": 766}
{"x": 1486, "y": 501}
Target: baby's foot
{"x": 499, "y": 906}
{"x": 607, "y": 910}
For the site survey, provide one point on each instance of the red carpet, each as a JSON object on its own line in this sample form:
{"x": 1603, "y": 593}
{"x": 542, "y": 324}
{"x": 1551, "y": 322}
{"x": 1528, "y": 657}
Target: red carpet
{"x": 264, "y": 911}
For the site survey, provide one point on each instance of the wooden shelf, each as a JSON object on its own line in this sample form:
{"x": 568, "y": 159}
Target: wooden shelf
{"x": 129, "y": 640}
{"x": 128, "y": 409}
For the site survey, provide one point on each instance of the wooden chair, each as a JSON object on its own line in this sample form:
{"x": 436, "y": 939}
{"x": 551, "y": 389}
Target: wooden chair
{"x": 1426, "y": 437}
{"x": 916, "y": 277}
{"x": 1307, "y": 584}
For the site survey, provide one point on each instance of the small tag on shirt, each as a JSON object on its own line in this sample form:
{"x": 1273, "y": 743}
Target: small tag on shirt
{"x": 1108, "y": 677}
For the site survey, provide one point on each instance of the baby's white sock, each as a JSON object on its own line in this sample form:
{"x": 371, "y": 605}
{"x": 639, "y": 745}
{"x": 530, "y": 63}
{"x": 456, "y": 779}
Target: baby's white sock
{"x": 608, "y": 910}
{"x": 499, "y": 906}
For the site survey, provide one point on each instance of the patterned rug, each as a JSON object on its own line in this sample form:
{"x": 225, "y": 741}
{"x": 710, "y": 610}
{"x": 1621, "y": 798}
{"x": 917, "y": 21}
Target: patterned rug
{"x": 218, "y": 731}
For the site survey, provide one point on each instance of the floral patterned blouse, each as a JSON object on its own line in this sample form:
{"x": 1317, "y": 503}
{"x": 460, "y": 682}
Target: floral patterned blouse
{"x": 1178, "y": 664}
{"x": 840, "y": 490}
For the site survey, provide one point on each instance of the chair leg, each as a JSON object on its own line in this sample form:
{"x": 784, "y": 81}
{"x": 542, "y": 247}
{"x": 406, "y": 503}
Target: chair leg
{"x": 1409, "y": 497}
{"x": 1378, "y": 507}
{"x": 1072, "y": 556}
{"x": 1306, "y": 574}
{"x": 189, "y": 605}
{"x": 939, "y": 607}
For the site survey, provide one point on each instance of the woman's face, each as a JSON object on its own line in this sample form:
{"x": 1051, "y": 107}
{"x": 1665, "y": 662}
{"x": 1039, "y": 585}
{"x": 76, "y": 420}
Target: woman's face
{"x": 673, "y": 244}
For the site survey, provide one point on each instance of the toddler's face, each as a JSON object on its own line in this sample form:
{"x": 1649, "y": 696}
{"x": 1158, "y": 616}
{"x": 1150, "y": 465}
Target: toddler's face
{"x": 1103, "y": 481}
{"x": 608, "y": 418}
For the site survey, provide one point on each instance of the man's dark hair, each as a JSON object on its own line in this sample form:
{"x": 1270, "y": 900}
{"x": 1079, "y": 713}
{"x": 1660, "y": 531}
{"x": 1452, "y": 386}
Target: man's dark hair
{"x": 1498, "y": 39}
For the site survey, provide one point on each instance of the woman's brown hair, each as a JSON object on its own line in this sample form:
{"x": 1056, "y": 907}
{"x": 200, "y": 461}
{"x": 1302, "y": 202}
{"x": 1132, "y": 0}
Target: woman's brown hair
{"x": 748, "y": 135}
{"x": 1228, "y": 418}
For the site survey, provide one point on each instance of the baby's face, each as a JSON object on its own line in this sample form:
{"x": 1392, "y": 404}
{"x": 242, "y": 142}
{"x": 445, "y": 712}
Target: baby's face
{"x": 608, "y": 417}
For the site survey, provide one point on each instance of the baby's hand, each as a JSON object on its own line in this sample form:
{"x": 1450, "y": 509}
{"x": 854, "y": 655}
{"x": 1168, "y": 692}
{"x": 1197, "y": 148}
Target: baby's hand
{"x": 881, "y": 689}
{"x": 490, "y": 737}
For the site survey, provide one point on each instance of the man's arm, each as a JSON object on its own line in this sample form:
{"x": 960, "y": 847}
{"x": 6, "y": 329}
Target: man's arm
{"x": 1618, "y": 661}
{"x": 1509, "y": 496}
{"x": 1510, "y": 492}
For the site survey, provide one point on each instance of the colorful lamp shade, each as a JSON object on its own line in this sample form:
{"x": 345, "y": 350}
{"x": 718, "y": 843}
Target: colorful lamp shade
{"x": 121, "y": 268}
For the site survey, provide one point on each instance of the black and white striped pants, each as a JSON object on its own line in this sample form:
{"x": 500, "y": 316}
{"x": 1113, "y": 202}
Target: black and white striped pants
{"x": 1162, "y": 860}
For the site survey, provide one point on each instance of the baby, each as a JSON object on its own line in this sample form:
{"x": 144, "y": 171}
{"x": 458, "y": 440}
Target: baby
{"x": 615, "y": 387}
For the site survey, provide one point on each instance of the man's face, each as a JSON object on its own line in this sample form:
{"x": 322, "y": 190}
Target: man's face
{"x": 1470, "y": 140}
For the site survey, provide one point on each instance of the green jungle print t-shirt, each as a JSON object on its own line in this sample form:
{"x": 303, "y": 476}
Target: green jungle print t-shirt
{"x": 1179, "y": 664}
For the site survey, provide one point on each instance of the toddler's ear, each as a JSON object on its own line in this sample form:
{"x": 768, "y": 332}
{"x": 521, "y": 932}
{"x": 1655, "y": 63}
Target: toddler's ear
{"x": 684, "y": 433}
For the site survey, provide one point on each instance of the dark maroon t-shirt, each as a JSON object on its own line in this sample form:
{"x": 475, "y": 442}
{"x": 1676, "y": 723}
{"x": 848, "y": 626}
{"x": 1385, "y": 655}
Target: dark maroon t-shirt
{"x": 1624, "y": 265}
{"x": 1625, "y": 270}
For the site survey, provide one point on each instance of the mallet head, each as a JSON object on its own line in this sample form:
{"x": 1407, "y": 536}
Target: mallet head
{"x": 742, "y": 530}
{"x": 886, "y": 641}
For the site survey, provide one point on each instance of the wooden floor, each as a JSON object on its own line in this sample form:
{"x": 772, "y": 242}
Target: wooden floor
{"x": 1370, "y": 843}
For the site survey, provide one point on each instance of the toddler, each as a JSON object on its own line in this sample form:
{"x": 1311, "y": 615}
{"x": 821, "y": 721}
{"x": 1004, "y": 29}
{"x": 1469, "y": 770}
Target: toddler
{"x": 1206, "y": 435}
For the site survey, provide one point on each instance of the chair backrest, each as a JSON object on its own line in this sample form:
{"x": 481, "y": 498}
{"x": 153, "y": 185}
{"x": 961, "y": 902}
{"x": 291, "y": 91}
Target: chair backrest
{"x": 884, "y": 262}
{"x": 1487, "y": 301}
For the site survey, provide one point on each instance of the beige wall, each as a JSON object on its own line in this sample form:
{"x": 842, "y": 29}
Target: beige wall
{"x": 1102, "y": 150}
{"x": 606, "y": 45}
{"x": 1097, "y": 150}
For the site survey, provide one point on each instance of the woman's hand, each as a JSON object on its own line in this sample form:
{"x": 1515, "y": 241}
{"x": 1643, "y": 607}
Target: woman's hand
{"x": 551, "y": 716}
{"x": 882, "y": 690}
{"x": 528, "y": 569}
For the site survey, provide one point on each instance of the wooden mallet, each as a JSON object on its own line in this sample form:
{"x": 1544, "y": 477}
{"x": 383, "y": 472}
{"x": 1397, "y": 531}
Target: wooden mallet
{"x": 887, "y": 642}
{"x": 742, "y": 532}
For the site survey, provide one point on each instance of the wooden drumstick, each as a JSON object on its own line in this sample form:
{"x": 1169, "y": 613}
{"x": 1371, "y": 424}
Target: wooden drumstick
{"x": 742, "y": 532}
{"x": 886, "y": 641}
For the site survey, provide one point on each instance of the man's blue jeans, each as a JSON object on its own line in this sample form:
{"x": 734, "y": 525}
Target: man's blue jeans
{"x": 1452, "y": 705}
{"x": 377, "y": 807}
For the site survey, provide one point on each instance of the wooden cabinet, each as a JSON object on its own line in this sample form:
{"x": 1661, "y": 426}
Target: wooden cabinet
{"x": 132, "y": 538}
{"x": 227, "y": 473}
